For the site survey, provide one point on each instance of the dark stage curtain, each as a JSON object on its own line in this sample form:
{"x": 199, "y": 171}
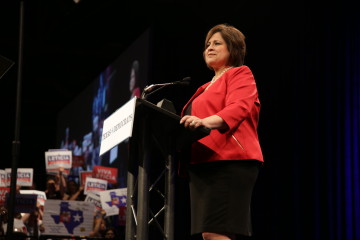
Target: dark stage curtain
{"x": 309, "y": 187}
{"x": 337, "y": 190}
{"x": 326, "y": 169}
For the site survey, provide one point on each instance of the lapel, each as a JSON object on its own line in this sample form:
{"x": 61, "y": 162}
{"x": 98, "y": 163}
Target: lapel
{"x": 197, "y": 93}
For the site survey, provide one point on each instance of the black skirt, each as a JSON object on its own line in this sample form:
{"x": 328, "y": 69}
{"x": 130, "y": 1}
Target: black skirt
{"x": 220, "y": 195}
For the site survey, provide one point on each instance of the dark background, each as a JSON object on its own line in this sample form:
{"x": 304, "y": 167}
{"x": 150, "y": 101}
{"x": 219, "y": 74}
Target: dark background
{"x": 305, "y": 59}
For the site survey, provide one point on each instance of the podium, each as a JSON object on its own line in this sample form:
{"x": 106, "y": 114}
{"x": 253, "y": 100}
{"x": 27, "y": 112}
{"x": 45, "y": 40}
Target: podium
{"x": 154, "y": 127}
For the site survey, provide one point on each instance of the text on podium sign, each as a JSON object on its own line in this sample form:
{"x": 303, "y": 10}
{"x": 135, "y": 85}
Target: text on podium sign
{"x": 118, "y": 126}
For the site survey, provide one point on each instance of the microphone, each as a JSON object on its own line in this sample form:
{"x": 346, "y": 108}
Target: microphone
{"x": 148, "y": 89}
{"x": 184, "y": 82}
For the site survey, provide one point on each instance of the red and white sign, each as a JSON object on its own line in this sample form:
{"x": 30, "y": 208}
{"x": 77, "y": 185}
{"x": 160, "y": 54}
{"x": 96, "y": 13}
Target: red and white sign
{"x": 83, "y": 175}
{"x": 7, "y": 176}
{"x": 58, "y": 159}
{"x": 95, "y": 185}
{"x": 3, "y": 178}
{"x": 107, "y": 173}
{"x": 3, "y": 192}
{"x": 24, "y": 176}
{"x": 94, "y": 198}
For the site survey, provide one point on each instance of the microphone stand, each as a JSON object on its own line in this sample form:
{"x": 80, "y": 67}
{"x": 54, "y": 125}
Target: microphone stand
{"x": 16, "y": 143}
{"x": 149, "y": 89}
{"x": 144, "y": 95}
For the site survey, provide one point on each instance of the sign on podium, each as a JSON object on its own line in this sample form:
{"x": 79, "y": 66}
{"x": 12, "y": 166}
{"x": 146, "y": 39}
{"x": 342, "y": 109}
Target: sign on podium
{"x": 118, "y": 126}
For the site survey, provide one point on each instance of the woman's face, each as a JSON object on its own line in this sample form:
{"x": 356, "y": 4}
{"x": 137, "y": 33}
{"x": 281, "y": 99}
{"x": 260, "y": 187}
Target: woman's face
{"x": 73, "y": 187}
{"x": 110, "y": 234}
{"x": 51, "y": 185}
{"x": 216, "y": 53}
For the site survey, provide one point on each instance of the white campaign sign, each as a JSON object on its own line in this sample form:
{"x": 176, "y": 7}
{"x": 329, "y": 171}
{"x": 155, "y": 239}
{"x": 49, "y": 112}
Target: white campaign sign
{"x": 73, "y": 218}
{"x": 24, "y": 176}
{"x": 112, "y": 200}
{"x": 3, "y": 178}
{"x": 118, "y": 126}
{"x": 56, "y": 159}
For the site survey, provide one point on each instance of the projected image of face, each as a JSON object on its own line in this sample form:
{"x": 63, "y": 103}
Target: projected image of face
{"x": 134, "y": 80}
{"x": 95, "y": 123}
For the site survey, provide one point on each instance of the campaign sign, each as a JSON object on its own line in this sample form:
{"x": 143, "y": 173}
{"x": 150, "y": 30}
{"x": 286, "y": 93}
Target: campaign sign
{"x": 107, "y": 173}
{"x": 24, "y": 176}
{"x": 94, "y": 198}
{"x": 3, "y": 178}
{"x": 112, "y": 200}
{"x": 3, "y": 192}
{"x": 55, "y": 171}
{"x": 83, "y": 175}
{"x": 58, "y": 159}
{"x": 41, "y": 196}
{"x": 68, "y": 217}
{"x": 78, "y": 161}
{"x": 95, "y": 185}
{"x": 25, "y": 203}
{"x": 118, "y": 126}
{"x": 8, "y": 176}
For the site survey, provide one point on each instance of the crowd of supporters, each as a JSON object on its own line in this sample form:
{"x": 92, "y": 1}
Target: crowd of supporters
{"x": 61, "y": 188}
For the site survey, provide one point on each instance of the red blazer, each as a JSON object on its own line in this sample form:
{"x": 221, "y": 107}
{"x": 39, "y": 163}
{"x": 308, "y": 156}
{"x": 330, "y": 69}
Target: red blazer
{"x": 233, "y": 97}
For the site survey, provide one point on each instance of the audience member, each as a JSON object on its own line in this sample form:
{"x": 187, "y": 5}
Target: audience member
{"x": 56, "y": 186}
{"x": 111, "y": 233}
{"x": 74, "y": 191}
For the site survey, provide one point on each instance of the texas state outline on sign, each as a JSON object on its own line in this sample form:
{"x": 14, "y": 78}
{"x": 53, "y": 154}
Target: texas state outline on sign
{"x": 70, "y": 218}
{"x": 116, "y": 200}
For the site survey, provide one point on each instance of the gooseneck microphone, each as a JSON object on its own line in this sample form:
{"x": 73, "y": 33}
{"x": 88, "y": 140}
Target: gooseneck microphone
{"x": 150, "y": 89}
{"x": 184, "y": 81}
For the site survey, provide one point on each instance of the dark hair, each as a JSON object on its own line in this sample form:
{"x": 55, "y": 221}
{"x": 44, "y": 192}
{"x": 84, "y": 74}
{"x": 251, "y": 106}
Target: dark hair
{"x": 235, "y": 41}
{"x": 50, "y": 177}
{"x": 113, "y": 229}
